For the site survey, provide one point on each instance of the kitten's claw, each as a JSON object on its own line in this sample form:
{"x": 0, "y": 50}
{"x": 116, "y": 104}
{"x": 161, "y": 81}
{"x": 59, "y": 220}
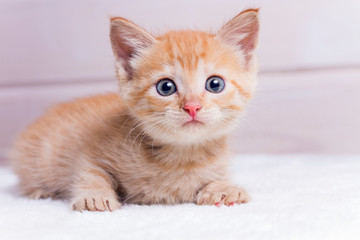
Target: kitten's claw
{"x": 218, "y": 193}
{"x": 95, "y": 204}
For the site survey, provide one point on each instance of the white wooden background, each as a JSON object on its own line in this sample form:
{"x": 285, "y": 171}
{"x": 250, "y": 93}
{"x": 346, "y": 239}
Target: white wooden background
{"x": 309, "y": 92}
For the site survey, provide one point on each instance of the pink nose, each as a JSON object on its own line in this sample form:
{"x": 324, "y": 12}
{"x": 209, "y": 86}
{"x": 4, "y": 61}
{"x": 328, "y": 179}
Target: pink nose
{"x": 192, "y": 109}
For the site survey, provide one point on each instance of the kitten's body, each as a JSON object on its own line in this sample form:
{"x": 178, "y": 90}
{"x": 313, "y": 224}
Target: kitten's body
{"x": 142, "y": 146}
{"x": 138, "y": 167}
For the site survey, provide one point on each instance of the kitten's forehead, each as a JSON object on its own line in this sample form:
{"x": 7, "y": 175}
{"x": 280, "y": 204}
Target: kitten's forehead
{"x": 188, "y": 54}
{"x": 186, "y": 47}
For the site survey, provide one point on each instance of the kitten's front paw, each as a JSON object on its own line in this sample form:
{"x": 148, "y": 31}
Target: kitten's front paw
{"x": 95, "y": 204}
{"x": 218, "y": 193}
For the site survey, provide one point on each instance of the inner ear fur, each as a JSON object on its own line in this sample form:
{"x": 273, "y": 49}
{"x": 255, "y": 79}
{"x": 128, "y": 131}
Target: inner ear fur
{"x": 242, "y": 32}
{"x": 128, "y": 40}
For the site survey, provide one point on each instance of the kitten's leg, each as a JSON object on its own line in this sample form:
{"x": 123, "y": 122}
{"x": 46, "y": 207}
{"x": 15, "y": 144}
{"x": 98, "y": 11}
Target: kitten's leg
{"x": 221, "y": 192}
{"x": 93, "y": 191}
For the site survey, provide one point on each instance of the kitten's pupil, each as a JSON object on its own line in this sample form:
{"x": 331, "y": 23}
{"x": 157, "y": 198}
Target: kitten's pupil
{"x": 166, "y": 87}
{"x": 215, "y": 84}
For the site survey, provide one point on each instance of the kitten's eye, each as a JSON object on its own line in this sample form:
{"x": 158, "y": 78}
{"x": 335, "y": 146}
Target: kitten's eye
{"x": 166, "y": 87}
{"x": 215, "y": 84}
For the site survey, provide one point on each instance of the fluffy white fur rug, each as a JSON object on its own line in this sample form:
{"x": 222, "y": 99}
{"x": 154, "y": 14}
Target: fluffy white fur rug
{"x": 293, "y": 197}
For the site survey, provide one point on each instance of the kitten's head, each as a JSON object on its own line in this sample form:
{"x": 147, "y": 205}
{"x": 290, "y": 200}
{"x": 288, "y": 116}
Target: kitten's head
{"x": 187, "y": 87}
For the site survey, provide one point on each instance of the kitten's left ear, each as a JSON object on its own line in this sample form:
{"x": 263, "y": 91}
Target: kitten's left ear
{"x": 128, "y": 40}
{"x": 242, "y": 32}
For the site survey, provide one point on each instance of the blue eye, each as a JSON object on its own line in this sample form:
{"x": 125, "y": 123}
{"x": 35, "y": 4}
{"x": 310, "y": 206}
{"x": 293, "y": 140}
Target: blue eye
{"x": 214, "y": 84}
{"x": 166, "y": 87}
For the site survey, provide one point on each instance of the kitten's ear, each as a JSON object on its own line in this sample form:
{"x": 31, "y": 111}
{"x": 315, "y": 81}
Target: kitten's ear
{"x": 242, "y": 32}
{"x": 128, "y": 40}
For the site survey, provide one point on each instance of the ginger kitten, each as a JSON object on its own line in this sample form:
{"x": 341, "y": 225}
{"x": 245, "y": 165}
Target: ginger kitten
{"x": 162, "y": 140}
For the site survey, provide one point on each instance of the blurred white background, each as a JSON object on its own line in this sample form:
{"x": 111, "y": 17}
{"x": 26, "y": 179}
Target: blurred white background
{"x": 309, "y": 81}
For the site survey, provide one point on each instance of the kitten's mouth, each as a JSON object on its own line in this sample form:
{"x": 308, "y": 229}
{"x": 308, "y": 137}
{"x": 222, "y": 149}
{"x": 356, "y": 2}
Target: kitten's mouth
{"x": 193, "y": 123}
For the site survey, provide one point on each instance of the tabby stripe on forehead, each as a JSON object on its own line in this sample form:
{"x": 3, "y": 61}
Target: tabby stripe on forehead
{"x": 188, "y": 62}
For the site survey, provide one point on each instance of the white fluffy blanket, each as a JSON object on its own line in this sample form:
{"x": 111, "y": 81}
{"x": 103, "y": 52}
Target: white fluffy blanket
{"x": 293, "y": 197}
